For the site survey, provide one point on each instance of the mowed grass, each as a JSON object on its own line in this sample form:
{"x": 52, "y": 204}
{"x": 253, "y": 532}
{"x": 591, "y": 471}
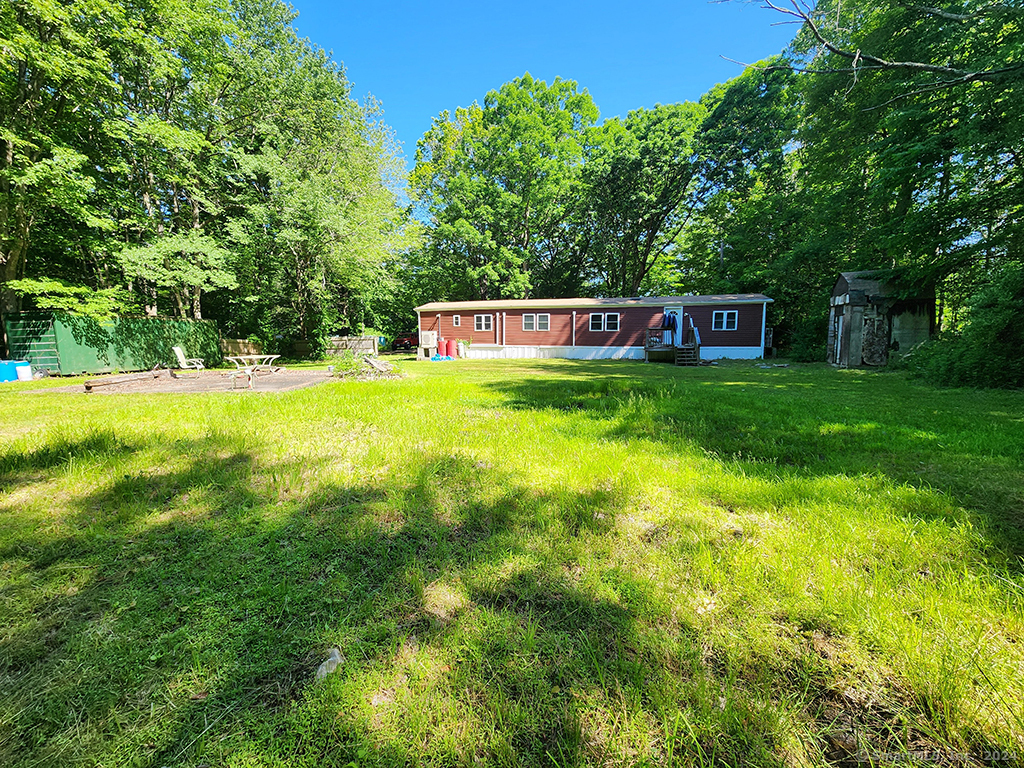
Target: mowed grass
{"x": 523, "y": 563}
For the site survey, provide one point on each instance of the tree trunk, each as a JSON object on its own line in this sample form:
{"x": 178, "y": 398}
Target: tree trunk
{"x": 10, "y": 302}
{"x": 14, "y": 232}
{"x": 197, "y": 292}
{"x": 149, "y": 291}
{"x": 11, "y": 252}
{"x": 12, "y": 264}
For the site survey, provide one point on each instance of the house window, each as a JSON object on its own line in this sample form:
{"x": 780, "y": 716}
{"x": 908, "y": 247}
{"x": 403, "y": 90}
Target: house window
{"x": 724, "y": 320}
{"x": 606, "y": 322}
{"x": 529, "y": 322}
{"x": 456, "y": 321}
{"x": 543, "y": 322}
{"x": 482, "y": 322}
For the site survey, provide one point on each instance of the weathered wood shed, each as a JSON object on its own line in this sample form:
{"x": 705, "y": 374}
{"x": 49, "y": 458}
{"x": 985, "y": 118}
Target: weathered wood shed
{"x": 867, "y": 320}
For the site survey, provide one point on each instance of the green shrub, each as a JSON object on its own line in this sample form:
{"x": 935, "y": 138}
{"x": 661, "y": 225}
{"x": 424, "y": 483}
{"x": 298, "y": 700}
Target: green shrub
{"x": 805, "y": 342}
{"x": 988, "y": 351}
{"x": 346, "y": 362}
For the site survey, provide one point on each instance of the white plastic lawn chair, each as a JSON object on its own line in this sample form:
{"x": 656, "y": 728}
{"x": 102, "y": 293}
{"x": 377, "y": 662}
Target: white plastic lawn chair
{"x": 188, "y": 364}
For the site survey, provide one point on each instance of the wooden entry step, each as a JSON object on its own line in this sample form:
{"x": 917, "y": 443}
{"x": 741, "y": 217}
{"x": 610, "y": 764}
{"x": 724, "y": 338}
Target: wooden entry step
{"x": 688, "y": 354}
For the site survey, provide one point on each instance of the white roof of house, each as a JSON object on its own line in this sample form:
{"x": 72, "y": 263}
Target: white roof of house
{"x": 636, "y": 301}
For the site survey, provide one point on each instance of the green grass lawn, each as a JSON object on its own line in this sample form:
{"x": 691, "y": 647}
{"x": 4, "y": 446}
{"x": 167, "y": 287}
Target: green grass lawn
{"x": 523, "y": 563}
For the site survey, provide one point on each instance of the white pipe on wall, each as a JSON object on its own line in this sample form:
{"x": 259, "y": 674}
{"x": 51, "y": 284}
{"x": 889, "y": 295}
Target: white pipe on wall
{"x": 419, "y": 337}
{"x": 504, "y": 317}
{"x": 574, "y": 328}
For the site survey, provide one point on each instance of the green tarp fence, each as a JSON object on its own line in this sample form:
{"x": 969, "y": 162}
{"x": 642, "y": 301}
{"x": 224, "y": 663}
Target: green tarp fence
{"x": 69, "y": 345}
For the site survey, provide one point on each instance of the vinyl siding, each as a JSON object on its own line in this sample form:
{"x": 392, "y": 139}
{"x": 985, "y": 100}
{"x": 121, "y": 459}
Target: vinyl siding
{"x": 748, "y": 325}
{"x": 632, "y": 323}
{"x": 559, "y": 334}
{"x": 448, "y": 330}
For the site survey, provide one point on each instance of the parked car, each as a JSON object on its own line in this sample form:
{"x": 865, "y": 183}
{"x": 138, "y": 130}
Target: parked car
{"x": 406, "y": 340}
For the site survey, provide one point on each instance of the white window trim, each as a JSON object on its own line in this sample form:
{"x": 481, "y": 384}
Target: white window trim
{"x": 724, "y": 314}
{"x": 604, "y": 322}
{"x": 547, "y": 322}
{"x": 456, "y": 321}
{"x": 533, "y": 322}
{"x": 483, "y": 323}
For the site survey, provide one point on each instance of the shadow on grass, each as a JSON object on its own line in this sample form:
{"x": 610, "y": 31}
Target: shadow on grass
{"x": 178, "y": 615}
{"x": 820, "y": 423}
{"x": 181, "y": 614}
{"x": 19, "y": 467}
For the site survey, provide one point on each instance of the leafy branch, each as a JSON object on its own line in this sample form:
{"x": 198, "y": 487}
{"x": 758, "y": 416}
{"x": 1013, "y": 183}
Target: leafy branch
{"x": 50, "y": 295}
{"x": 813, "y": 22}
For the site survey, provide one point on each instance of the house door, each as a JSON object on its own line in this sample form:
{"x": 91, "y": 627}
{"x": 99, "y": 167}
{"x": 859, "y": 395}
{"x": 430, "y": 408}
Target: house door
{"x": 672, "y": 337}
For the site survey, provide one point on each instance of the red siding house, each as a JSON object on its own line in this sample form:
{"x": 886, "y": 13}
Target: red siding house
{"x": 729, "y": 326}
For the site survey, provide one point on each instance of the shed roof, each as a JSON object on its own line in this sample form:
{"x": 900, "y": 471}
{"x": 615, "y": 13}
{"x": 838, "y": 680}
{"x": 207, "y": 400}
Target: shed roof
{"x": 863, "y": 281}
{"x": 636, "y": 301}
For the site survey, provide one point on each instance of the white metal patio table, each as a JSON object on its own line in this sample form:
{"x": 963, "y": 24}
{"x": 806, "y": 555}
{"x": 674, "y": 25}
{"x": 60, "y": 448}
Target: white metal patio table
{"x": 249, "y": 365}
{"x": 256, "y": 362}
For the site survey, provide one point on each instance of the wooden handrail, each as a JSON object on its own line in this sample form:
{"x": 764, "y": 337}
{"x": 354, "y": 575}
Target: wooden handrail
{"x": 654, "y": 337}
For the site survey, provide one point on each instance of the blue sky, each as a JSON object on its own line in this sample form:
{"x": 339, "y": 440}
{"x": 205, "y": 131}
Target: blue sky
{"x": 421, "y": 58}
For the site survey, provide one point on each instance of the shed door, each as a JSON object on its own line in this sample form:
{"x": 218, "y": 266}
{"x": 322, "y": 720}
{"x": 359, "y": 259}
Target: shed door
{"x": 839, "y": 338}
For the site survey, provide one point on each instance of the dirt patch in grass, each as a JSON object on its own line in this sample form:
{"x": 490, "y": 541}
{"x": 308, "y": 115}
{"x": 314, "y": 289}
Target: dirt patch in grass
{"x": 206, "y": 381}
{"x": 859, "y": 728}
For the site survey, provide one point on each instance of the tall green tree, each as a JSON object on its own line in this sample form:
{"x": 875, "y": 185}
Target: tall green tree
{"x": 200, "y": 154}
{"x": 906, "y": 156}
{"x": 319, "y": 228}
{"x": 910, "y": 40}
{"x": 755, "y": 230}
{"x": 499, "y": 184}
{"x": 183, "y": 101}
{"x": 641, "y": 187}
{"x": 913, "y": 148}
{"x": 56, "y": 88}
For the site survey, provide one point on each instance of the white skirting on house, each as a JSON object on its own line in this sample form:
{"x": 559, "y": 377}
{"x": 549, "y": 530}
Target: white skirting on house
{"x": 732, "y": 353}
{"x": 498, "y": 352}
{"x": 602, "y": 353}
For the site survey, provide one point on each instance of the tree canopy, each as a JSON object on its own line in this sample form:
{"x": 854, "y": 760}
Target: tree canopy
{"x": 499, "y": 184}
{"x": 201, "y": 157}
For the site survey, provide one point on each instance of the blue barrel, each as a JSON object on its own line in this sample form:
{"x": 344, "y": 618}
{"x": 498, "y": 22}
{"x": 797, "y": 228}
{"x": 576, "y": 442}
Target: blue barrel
{"x": 9, "y": 369}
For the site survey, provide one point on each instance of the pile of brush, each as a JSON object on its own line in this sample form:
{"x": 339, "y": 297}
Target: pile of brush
{"x": 364, "y": 369}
